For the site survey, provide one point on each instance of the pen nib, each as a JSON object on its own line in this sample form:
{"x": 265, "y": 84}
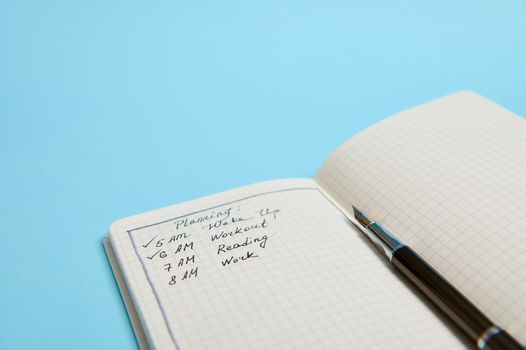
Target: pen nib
{"x": 360, "y": 217}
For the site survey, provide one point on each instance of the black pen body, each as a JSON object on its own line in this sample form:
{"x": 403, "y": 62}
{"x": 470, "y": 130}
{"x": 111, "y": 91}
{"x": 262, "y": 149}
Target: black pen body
{"x": 448, "y": 299}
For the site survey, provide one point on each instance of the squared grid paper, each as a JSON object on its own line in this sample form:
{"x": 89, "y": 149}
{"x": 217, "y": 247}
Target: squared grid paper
{"x": 449, "y": 178}
{"x": 316, "y": 284}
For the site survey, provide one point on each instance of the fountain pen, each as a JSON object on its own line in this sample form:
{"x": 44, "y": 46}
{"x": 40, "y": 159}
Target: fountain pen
{"x": 478, "y": 327}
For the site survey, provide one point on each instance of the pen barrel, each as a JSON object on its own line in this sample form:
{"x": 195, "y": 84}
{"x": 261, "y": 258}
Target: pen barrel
{"x": 448, "y": 299}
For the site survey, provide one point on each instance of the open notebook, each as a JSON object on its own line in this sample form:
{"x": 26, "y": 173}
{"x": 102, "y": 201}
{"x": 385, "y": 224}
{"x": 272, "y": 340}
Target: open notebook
{"x": 280, "y": 265}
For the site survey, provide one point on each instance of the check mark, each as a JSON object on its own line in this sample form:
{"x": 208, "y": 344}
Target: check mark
{"x": 147, "y": 244}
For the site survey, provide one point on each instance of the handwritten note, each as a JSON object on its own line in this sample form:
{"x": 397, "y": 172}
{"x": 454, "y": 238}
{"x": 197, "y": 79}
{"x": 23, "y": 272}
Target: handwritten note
{"x": 228, "y": 235}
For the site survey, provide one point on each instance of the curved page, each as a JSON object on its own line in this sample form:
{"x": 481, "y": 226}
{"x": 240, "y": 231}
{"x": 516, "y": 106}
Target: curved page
{"x": 449, "y": 178}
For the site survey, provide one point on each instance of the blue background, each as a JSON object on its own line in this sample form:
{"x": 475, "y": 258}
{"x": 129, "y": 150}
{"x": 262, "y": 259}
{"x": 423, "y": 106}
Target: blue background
{"x": 110, "y": 108}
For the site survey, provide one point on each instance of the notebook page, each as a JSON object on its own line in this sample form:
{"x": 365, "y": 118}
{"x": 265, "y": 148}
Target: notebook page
{"x": 449, "y": 178}
{"x": 267, "y": 266}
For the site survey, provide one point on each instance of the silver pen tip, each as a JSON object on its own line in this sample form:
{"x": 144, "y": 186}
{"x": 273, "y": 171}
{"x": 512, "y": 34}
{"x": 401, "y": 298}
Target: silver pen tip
{"x": 362, "y": 219}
